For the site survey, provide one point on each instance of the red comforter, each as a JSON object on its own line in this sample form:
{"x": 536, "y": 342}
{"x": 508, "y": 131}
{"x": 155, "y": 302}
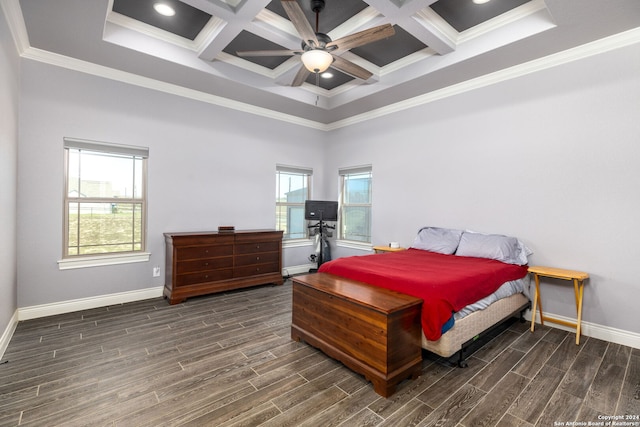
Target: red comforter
{"x": 446, "y": 283}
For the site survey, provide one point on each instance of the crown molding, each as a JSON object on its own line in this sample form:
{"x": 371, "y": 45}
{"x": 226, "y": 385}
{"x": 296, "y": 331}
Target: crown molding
{"x": 15, "y": 20}
{"x": 626, "y": 38}
{"x": 149, "y": 83}
{"x": 249, "y": 66}
{"x": 430, "y": 19}
{"x": 413, "y": 58}
{"x": 211, "y": 27}
{"x": 499, "y": 21}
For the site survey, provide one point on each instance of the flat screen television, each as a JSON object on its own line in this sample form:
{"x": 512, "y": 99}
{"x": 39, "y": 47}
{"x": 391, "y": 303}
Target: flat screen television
{"x": 324, "y": 210}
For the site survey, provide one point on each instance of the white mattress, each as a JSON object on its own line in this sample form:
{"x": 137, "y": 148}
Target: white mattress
{"x": 473, "y": 324}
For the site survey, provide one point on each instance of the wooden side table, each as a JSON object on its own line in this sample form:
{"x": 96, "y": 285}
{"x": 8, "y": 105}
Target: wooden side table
{"x": 577, "y": 277}
{"x": 382, "y": 249}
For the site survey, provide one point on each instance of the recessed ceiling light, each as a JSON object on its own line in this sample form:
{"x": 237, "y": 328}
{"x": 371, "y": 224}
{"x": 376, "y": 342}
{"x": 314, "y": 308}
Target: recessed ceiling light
{"x": 326, "y": 75}
{"x": 481, "y": 1}
{"x": 164, "y": 9}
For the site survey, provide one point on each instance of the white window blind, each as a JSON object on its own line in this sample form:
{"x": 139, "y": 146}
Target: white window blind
{"x": 355, "y": 203}
{"x": 105, "y": 198}
{"x": 292, "y": 190}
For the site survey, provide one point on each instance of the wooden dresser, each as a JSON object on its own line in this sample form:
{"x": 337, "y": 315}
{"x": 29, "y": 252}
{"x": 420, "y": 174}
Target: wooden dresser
{"x": 208, "y": 262}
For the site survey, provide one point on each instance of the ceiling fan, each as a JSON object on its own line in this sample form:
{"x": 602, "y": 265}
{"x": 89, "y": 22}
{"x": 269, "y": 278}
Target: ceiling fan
{"x": 318, "y": 51}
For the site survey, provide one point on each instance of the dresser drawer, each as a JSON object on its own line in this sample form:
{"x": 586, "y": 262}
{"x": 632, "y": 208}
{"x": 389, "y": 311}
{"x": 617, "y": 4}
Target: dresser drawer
{"x": 203, "y": 277}
{"x": 255, "y": 247}
{"x": 254, "y": 269}
{"x": 264, "y": 236}
{"x": 200, "y": 263}
{"x": 259, "y": 258}
{"x": 205, "y": 264}
{"x": 190, "y": 239}
{"x": 200, "y": 252}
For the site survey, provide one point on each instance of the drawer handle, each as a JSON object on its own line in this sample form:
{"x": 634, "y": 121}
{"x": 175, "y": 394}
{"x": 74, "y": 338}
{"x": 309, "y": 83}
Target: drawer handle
{"x": 257, "y": 246}
{"x": 206, "y": 251}
{"x": 206, "y": 263}
{"x": 206, "y": 276}
{"x": 257, "y": 258}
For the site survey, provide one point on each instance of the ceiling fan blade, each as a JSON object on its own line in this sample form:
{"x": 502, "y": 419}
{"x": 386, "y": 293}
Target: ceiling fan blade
{"x": 299, "y": 21}
{"x": 301, "y": 76}
{"x": 268, "y": 52}
{"x": 350, "y": 68}
{"x": 363, "y": 37}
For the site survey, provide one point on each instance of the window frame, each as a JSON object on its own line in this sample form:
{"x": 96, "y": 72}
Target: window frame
{"x": 299, "y": 171}
{"x": 343, "y": 173}
{"x": 69, "y": 261}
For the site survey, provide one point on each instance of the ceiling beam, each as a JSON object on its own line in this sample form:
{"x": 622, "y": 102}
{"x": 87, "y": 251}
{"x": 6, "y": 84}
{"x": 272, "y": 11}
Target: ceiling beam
{"x": 235, "y": 21}
{"x": 405, "y": 17}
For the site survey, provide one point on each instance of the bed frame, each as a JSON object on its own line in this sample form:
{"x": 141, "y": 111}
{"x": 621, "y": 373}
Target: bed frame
{"x": 376, "y": 332}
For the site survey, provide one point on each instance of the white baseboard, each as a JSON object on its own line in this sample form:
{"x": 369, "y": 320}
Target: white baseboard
{"x": 8, "y": 333}
{"x": 606, "y": 333}
{"x": 297, "y": 269}
{"x": 593, "y": 330}
{"x": 62, "y": 307}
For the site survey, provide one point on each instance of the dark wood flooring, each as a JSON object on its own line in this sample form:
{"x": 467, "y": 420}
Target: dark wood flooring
{"x": 228, "y": 360}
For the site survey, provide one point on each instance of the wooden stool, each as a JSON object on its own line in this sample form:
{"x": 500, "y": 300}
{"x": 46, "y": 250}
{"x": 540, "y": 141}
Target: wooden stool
{"x": 578, "y": 278}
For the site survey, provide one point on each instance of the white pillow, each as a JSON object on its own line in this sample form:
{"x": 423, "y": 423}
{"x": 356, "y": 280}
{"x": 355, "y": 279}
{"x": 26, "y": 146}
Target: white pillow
{"x": 436, "y": 239}
{"x": 493, "y": 246}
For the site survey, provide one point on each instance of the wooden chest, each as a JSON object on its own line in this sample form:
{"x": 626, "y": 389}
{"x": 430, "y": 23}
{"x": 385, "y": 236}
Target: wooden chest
{"x": 373, "y": 331}
{"x": 203, "y": 263}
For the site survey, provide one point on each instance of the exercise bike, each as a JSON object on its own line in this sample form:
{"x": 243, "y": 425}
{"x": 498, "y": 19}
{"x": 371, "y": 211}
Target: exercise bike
{"x": 321, "y": 231}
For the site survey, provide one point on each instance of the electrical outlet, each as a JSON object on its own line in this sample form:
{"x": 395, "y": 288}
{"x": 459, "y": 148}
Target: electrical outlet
{"x": 156, "y": 271}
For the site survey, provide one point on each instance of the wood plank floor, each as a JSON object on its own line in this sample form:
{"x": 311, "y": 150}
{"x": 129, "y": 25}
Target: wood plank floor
{"x": 228, "y": 360}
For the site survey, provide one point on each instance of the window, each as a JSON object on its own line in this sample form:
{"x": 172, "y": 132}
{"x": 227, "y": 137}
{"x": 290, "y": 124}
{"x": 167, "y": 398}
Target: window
{"x": 105, "y": 198}
{"x": 355, "y": 204}
{"x": 292, "y": 189}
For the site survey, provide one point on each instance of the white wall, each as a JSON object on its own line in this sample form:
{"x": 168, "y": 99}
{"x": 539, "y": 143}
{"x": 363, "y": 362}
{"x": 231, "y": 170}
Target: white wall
{"x": 552, "y": 158}
{"x": 9, "y": 90}
{"x": 208, "y": 166}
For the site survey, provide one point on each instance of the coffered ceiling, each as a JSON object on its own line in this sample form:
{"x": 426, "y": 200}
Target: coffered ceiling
{"x": 439, "y": 47}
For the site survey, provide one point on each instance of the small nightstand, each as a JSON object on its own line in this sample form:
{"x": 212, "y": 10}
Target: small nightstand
{"x": 383, "y": 249}
{"x": 577, "y": 277}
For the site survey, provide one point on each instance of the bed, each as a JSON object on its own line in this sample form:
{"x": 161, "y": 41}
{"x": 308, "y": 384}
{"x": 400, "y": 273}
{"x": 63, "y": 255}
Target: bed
{"x": 468, "y": 282}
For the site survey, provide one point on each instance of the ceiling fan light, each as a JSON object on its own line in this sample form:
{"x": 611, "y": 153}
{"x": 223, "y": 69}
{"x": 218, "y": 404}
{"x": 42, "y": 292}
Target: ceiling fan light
{"x": 481, "y": 1}
{"x": 316, "y": 60}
